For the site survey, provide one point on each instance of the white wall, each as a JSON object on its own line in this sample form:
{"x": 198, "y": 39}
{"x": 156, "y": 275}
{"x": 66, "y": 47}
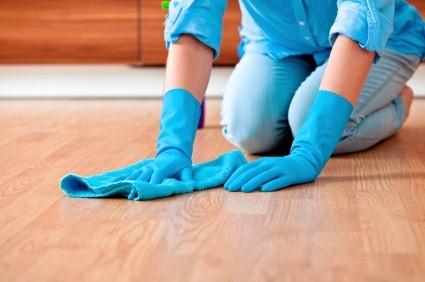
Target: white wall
{"x": 111, "y": 81}
{"x": 92, "y": 81}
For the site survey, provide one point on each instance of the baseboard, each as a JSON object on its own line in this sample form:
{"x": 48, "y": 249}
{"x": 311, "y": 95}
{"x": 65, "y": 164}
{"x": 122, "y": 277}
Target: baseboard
{"x": 110, "y": 81}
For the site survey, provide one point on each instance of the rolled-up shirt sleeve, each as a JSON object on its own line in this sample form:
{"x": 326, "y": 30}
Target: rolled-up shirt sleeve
{"x": 369, "y": 22}
{"x": 201, "y": 18}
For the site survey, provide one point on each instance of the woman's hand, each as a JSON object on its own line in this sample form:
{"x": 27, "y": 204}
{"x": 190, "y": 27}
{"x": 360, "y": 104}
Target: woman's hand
{"x": 310, "y": 151}
{"x": 179, "y": 120}
{"x": 188, "y": 70}
{"x": 169, "y": 164}
{"x": 344, "y": 77}
{"x": 272, "y": 173}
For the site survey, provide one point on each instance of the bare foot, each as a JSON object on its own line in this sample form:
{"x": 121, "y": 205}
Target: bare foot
{"x": 407, "y": 95}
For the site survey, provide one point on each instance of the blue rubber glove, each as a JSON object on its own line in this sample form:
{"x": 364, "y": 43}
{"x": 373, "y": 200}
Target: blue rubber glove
{"x": 311, "y": 150}
{"x": 179, "y": 120}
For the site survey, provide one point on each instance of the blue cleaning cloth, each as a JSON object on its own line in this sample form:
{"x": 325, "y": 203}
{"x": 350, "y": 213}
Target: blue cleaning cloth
{"x": 207, "y": 175}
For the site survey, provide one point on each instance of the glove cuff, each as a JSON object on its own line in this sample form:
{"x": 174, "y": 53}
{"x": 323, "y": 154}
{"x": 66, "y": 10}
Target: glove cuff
{"x": 322, "y": 128}
{"x": 179, "y": 121}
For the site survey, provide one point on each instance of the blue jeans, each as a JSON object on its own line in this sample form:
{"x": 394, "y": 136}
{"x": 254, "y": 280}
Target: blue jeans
{"x": 266, "y": 101}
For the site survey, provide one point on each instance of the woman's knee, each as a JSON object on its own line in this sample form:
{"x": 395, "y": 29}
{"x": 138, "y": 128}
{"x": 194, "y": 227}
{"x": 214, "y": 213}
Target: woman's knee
{"x": 298, "y": 112}
{"x": 253, "y": 138}
{"x": 304, "y": 98}
{"x": 361, "y": 134}
{"x": 255, "y": 104}
{"x": 296, "y": 119}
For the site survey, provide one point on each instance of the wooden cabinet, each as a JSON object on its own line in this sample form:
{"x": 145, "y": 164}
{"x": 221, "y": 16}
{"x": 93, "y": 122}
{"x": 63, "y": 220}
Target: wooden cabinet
{"x": 93, "y": 31}
{"x": 99, "y": 31}
{"x": 71, "y": 31}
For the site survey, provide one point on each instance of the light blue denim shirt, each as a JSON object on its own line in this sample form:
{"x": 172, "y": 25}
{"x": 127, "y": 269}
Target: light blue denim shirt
{"x": 282, "y": 28}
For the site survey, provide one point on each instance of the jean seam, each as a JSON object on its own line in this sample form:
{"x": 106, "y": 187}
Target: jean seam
{"x": 357, "y": 110}
{"x": 392, "y": 131}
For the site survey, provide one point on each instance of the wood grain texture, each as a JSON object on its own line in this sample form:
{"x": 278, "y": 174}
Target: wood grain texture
{"x": 153, "y": 51}
{"x": 72, "y": 31}
{"x": 362, "y": 220}
{"x": 98, "y": 31}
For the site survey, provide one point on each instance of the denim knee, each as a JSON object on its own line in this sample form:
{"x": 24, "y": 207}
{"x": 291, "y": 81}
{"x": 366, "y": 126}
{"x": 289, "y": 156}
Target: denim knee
{"x": 255, "y": 104}
{"x": 297, "y": 114}
{"x": 380, "y": 125}
{"x": 254, "y": 137}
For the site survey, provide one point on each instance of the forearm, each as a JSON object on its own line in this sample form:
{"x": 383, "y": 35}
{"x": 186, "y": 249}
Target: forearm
{"x": 187, "y": 75}
{"x": 347, "y": 69}
{"x": 189, "y": 66}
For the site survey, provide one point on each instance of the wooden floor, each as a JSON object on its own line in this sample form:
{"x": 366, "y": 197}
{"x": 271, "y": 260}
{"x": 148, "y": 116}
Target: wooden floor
{"x": 362, "y": 220}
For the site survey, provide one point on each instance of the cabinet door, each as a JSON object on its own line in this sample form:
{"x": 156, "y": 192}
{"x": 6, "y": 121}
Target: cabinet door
{"x": 71, "y": 31}
{"x": 153, "y": 51}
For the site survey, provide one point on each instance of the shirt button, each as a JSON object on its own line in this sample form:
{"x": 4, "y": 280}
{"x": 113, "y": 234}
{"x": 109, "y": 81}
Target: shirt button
{"x": 307, "y": 38}
{"x": 301, "y": 23}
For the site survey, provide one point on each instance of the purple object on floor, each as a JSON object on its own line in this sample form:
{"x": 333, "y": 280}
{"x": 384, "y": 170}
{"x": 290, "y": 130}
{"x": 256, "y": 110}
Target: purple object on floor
{"x": 202, "y": 118}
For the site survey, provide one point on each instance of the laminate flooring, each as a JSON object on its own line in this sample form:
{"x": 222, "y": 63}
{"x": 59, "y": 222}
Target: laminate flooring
{"x": 363, "y": 219}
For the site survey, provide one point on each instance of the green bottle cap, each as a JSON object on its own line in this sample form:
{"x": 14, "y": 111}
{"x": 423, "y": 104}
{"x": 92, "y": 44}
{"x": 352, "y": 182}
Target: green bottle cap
{"x": 165, "y": 5}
